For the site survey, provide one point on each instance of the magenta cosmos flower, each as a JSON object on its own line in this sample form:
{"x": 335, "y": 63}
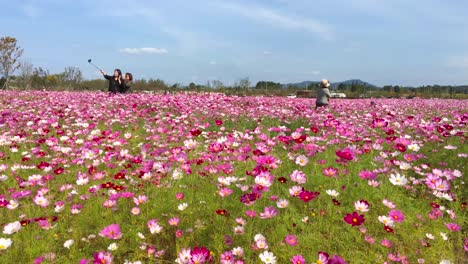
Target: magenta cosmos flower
{"x": 396, "y": 215}
{"x": 453, "y": 227}
{"x": 354, "y": 219}
{"x": 345, "y": 154}
{"x": 298, "y": 259}
{"x": 307, "y": 196}
{"x": 112, "y": 231}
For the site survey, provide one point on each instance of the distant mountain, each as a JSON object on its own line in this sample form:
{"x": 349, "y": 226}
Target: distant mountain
{"x": 305, "y": 84}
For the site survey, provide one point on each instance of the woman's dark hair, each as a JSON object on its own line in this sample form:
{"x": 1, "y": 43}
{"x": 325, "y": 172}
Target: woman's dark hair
{"x": 119, "y": 72}
{"x": 130, "y": 76}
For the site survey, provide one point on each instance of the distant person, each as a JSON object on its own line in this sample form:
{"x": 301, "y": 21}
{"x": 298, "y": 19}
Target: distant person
{"x": 127, "y": 84}
{"x": 322, "y": 94}
{"x": 115, "y": 82}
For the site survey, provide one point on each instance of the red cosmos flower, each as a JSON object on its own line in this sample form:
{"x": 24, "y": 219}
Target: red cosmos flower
{"x": 400, "y": 147}
{"x": 137, "y": 160}
{"x": 282, "y": 179}
{"x": 222, "y": 212}
{"x": 195, "y": 132}
{"x": 43, "y": 165}
{"x": 301, "y": 139}
{"x": 119, "y": 175}
{"x": 219, "y": 122}
{"x": 336, "y": 202}
{"x": 107, "y": 185}
{"x": 314, "y": 129}
{"x": 354, "y": 219}
{"x": 448, "y": 127}
{"x": 25, "y": 222}
{"x": 118, "y": 187}
{"x": 388, "y": 229}
{"x": 92, "y": 170}
{"x": 390, "y": 131}
{"x": 59, "y": 171}
{"x": 307, "y": 196}
{"x": 24, "y": 159}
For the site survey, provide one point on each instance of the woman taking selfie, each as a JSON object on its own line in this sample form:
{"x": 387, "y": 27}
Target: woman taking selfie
{"x": 115, "y": 82}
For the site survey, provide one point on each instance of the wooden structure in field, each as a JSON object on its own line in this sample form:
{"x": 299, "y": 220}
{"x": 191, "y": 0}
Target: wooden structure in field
{"x": 306, "y": 94}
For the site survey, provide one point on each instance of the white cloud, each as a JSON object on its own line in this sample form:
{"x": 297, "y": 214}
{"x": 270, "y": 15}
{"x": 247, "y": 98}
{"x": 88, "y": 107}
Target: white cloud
{"x": 277, "y": 19}
{"x": 144, "y": 50}
{"x": 212, "y": 62}
{"x": 266, "y": 52}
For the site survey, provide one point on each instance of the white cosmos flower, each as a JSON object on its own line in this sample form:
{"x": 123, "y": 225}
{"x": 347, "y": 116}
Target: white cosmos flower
{"x": 386, "y": 220}
{"x": 302, "y": 160}
{"x": 68, "y": 243}
{"x": 397, "y": 179}
{"x": 332, "y": 193}
{"x": 5, "y": 243}
{"x": 182, "y": 206}
{"x": 259, "y": 237}
{"x": 113, "y": 247}
{"x": 11, "y": 228}
{"x": 444, "y": 236}
{"x": 282, "y": 203}
{"x": 267, "y": 257}
{"x": 430, "y": 236}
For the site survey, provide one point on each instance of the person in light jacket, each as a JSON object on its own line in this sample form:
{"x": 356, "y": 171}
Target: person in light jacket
{"x": 323, "y": 94}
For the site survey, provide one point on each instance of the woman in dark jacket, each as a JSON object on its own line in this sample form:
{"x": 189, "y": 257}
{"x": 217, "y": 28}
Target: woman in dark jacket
{"x": 115, "y": 82}
{"x": 127, "y": 84}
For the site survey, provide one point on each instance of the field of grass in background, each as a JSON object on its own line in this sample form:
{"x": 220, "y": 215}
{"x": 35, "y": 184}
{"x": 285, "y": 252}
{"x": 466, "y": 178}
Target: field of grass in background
{"x": 230, "y": 179}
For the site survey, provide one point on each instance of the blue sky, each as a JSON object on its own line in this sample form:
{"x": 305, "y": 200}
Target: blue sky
{"x": 404, "y": 42}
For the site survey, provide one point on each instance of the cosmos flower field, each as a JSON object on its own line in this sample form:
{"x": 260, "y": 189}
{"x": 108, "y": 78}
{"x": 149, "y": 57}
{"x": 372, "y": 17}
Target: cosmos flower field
{"x": 207, "y": 178}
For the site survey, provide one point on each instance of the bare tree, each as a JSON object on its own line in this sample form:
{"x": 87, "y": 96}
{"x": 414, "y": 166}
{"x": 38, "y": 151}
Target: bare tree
{"x": 72, "y": 76}
{"x": 26, "y": 72}
{"x": 244, "y": 83}
{"x": 9, "y": 55}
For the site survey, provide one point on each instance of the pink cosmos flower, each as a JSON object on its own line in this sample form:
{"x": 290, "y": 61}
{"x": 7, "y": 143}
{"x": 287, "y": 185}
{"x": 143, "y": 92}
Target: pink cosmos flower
{"x": 112, "y": 231}
{"x": 224, "y": 192}
{"x": 103, "y": 258}
{"x": 298, "y": 176}
{"x": 251, "y": 213}
{"x": 174, "y": 221}
{"x": 330, "y": 172}
{"x": 369, "y": 239}
{"x": 386, "y": 243}
{"x": 180, "y": 196}
{"x": 291, "y": 240}
{"x": 269, "y": 212}
{"x": 323, "y": 257}
{"x": 361, "y": 206}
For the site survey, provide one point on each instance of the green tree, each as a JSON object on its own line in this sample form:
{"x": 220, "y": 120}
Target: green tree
{"x": 9, "y": 55}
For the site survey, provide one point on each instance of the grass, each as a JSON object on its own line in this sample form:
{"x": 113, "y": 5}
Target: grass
{"x": 159, "y": 126}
